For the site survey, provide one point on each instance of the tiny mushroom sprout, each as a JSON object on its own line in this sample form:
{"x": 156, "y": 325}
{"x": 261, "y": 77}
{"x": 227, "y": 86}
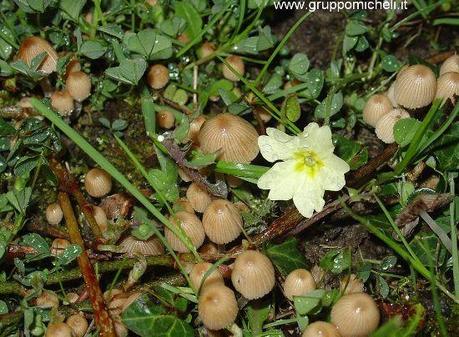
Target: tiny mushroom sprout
{"x": 78, "y": 85}
{"x": 158, "y": 76}
{"x": 298, "y": 283}
{"x": 62, "y": 102}
{"x": 448, "y": 86}
{"x": 78, "y": 324}
{"x": 385, "y": 127}
{"x": 197, "y": 275}
{"x": 97, "y": 182}
{"x": 415, "y": 87}
{"x": 351, "y": 284}
{"x": 231, "y": 136}
{"x": 321, "y": 329}
{"x": 33, "y": 46}
{"x": 58, "y": 246}
{"x": 222, "y": 221}
{"x": 206, "y": 49}
{"x": 217, "y": 307}
{"x": 451, "y": 64}
{"x": 377, "y": 106}
{"x": 192, "y": 227}
{"x": 59, "y": 330}
{"x": 54, "y": 214}
{"x": 253, "y": 274}
{"x": 100, "y": 217}
{"x": 132, "y": 246}
{"x": 198, "y": 197}
{"x": 165, "y": 119}
{"x": 238, "y": 68}
{"x": 355, "y": 315}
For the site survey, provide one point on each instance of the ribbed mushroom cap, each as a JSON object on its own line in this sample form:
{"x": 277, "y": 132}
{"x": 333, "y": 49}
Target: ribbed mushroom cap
{"x": 448, "y": 85}
{"x": 222, "y": 221}
{"x": 132, "y": 246}
{"x": 198, "y": 197}
{"x": 298, "y": 283}
{"x": 321, "y": 329}
{"x": 390, "y": 93}
{"x": 62, "y": 102}
{"x": 451, "y": 64}
{"x": 199, "y": 270}
{"x": 78, "y": 324}
{"x": 377, "y": 106}
{"x": 100, "y": 217}
{"x": 33, "y": 46}
{"x": 234, "y": 137}
{"x": 253, "y": 274}
{"x": 78, "y": 84}
{"x": 415, "y": 87}
{"x": 58, "y": 330}
{"x": 351, "y": 285}
{"x": 206, "y": 49}
{"x": 47, "y": 299}
{"x": 385, "y": 127}
{"x": 355, "y": 315}
{"x": 97, "y": 182}
{"x": 54, "y": 213}
{"x": 217, "y": 307}
{"x": 195, "y": 127}
{"x": 58, "y": 246}
{"x": 237, "y": 64}
{"x": 158, "y": 76}
{"x": 183, "y": 204}
{"x": 192, "y": 227}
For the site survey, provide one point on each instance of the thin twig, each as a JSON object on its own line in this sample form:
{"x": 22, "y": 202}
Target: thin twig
{"x": 101, "y": 316}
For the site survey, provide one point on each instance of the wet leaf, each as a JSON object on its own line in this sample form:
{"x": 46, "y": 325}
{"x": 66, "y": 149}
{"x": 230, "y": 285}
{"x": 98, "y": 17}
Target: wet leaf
{"x": 71, "y": 9}
{"x": 68, "y": 255}
{"x": 329, "y": 106}
{"x": 149, "y": 43}
{"x": 336, "y": 261}
{"x": 349, "y": 42}
{"x": 405, "y": 129}
{"x": 6, "y": 37}
{"x": 187, "y": 12}
{"x": 354, "y": 153}
{"x": 305, "y": 304}
{"x": 299, "y": 65}
{"x": 390, "y": 63}
{"x": 286, "y": 256}
{"x": 129, "y": 71}
{"x": 292, "y": 108}
{"x": 257, "y": 314}
{"x": 93, "y": 49}
{"x": 37, "y": 242}
{"x": 144, "y": 317}
{"x": 354, "y": 28}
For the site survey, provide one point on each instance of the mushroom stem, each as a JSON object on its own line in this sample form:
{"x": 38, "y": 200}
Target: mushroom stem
{"x": 436, "y": 229}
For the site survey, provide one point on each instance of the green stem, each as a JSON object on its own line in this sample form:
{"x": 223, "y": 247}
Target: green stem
{"x": 454, "y": 253}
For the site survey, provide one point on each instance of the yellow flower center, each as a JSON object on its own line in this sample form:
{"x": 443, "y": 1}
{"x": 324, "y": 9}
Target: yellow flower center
{"x": 307, "y": 161}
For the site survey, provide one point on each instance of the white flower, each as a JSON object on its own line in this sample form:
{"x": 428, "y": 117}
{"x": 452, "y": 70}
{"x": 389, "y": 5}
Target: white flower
{"x": 306, "y": 169}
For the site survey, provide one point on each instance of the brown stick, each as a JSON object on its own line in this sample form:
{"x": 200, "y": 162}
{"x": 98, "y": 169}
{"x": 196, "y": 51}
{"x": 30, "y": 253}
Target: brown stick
{"x": 70, "y": 185}
{"x": 101, "y": 316}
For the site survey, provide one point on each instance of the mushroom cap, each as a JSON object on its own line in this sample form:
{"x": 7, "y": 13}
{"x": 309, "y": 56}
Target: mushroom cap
{"x": 78, "y": 324}
{"x": 222, "y": 221}
{"x": 233, "y": 136}
{"x": 54, "y": 213}
{"x": 183, "y": 204}
{"x": 448, "y": 85}
{"x": 97, "y": 182}
{"x": 377, "y": 106}
{"x": 78, "y": 84}
{"x": 385, "y": 127}
{"x": 390, "y": 93}
{"x": 58, "y": 246}
{"x": 298, "y": 283}
{"x": 62, "y": 102}
{"x": 355, "y": 315}
{"x": 158, "y": 76}
{"x": 195, "y": 127}
{"x": 100, "y": 217}
{"x": 165, "y": 119}
{"x": 351, "y": 285}
{"x": 217, "y": 307}
{"x": 199, "y": 270}
{"x": 237, "y": 64}
{"x": 47, "y": 299}
{"x": 451, "y": 64}
{"x": 206, "y": 49}
{"x": 198, "y": 197}
{"x": 253, "y": 274}
{"x": 131, "y": 246}
{"x": 192, "y": 227}
{"x": 58, "y": 330}
{"x": 33, "y": 46}
{"x": 415, "y": 87}
{"x": 321, "y": 329}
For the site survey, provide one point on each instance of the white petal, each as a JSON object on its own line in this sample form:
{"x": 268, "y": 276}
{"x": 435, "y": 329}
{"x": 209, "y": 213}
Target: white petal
{"x": 317, "y": 138}
{"x": 332, "y": 174}
{"x": 281, "y": 180}
{"x": 277, "y": 145}
{"x": 309, "y": 198}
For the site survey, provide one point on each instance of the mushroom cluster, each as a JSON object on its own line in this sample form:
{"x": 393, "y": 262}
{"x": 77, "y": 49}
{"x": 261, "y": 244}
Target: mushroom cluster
{"x": 414, "y": 88}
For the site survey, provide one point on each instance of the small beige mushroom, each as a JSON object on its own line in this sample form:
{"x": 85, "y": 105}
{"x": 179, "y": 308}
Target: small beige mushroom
{"x": 197, "y": 274}
{"x": 321, "y": 329}
{"x": 54, "y": 214}
{"x": 298, "y": 283}
{"x": 158, "y": 76}
{"x": 222, "y": 221}
{"x": 198, "y": 197}
{"x": 192, "y": 227}
{"x": 415, "y": 87}
{"x": 78, "y": 85}
{"x": 33, "y": 46}
{"x": 377, "y": 106}
{"x": 451, "y": 64}
{"x": 132, "y": 246}
{"x": 237, "y": 65}
{"x": 97, "y": 182}
{"x": 217, "y": 307}
{"x": 385, "y": 127}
